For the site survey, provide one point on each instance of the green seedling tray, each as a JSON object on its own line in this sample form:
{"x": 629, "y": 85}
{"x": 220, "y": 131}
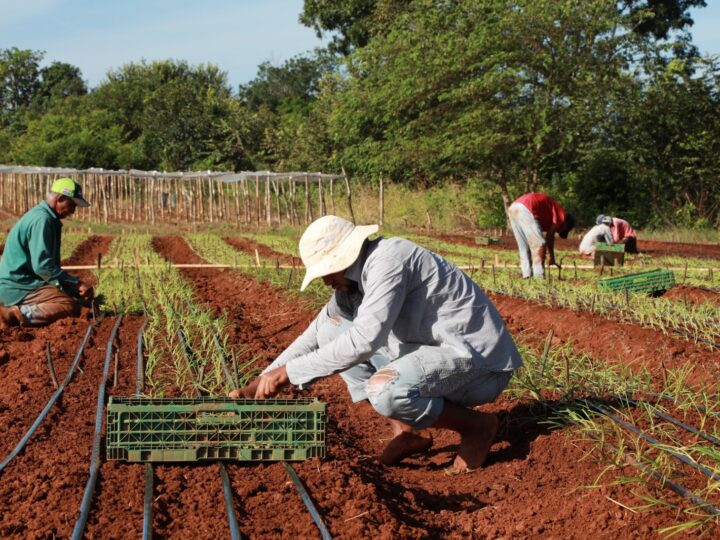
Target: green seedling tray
{"x": 487, "y": 240}
{"x": 181, "y": 429}
{"x": 647, "y": 282}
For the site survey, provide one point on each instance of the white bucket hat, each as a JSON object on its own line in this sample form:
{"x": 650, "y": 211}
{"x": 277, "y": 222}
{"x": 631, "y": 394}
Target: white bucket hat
{"x": 331, "y": 244}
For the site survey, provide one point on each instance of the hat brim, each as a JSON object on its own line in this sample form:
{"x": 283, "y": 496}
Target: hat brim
{"x": 341, "y": 257}
{"x": 82, "y": 203}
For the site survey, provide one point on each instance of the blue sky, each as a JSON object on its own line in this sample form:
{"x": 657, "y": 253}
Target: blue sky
{"x": 99, "y": 35}
{"x": 236, "y": 35}
{"x": 705, "y": 31}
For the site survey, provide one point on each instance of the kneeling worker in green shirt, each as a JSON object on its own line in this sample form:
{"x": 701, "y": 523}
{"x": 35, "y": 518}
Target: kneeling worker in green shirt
{"x": 34, "y": 290}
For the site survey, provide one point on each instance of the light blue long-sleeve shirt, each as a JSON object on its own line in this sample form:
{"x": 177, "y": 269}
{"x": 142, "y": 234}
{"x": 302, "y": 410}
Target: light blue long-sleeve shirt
{"x": 408, "y": 297}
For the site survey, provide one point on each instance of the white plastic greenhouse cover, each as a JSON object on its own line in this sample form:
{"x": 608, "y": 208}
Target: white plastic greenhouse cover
{"x": 223, "y": 176}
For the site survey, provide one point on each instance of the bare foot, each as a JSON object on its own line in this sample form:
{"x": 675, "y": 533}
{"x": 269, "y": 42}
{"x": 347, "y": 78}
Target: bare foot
{"x": 404, "y": 445}
{"x": 475, "y": 446}
{"x": 10, "y": 316}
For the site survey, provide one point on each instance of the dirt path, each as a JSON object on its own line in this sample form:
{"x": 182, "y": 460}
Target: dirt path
{"x": 695, "y": 295}
{"x": 531, "y": 485}
{"x": 250, "y": 246}
{"x": 88, "y": 251}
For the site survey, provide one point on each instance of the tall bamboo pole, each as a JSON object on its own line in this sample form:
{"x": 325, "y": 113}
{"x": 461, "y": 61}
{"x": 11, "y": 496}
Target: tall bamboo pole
{"x": 268, "y": 205}
{"x": 308, "y": 206}
{"x": 321, "y": 196}
{"x": 382, "y": 203}
{"x": 349, "y": 194}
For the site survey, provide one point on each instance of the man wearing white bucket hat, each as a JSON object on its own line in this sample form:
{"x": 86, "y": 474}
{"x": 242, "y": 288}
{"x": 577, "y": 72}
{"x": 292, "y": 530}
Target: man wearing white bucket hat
{"x": 408, "y": 331}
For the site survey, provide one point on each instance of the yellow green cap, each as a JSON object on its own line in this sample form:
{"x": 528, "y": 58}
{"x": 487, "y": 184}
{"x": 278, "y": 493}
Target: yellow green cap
{"x": 69, "y": 188}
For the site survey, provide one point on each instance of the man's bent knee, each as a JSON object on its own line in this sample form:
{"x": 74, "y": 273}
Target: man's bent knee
{"x": 42, "y": 314}
{"x": 378, "y": 391}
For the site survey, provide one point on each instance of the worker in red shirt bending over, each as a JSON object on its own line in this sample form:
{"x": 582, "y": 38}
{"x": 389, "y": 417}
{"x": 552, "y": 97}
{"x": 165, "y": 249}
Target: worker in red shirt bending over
{"x": 535, "y": 218}
{"x": 622, "y": 231}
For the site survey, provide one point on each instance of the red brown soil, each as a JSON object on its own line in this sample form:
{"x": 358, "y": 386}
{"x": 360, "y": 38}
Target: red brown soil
{"x": 250, "y": 246}
{"x": 694, "y": 295}
{"x": 88, "y": 251}
{"x": 531, "y": 485}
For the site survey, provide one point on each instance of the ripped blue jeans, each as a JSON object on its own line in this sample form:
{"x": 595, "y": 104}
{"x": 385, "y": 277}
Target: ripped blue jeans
{"x": 413, "y": 388}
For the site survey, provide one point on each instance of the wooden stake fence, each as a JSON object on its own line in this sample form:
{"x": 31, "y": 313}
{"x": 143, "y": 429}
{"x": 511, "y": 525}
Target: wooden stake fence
{"x": 151, "y": 197}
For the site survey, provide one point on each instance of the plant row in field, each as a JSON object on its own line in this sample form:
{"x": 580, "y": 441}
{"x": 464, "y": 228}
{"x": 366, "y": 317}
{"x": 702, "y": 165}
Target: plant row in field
{"x": 185, "y": 344}
{"x": 698, "y": 321}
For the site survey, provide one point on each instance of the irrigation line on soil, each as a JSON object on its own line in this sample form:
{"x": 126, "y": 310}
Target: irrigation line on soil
{"x": 97, "y": 440}
{"x": 147, "y": 532}
{"x": 673, "y": 400}
{"x": 291, "y": 472}
{"x": 308, "y": 502}
{"x": 707, "y": 472}
{"x": 669, "y": 484}
{"x": 50, "y": 403}
{"x": 674, "y": 421}
{"x": 227, "y": 493}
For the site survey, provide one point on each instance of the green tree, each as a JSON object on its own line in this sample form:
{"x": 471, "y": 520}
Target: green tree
{"x": 19, "y": 80}
{"x": 60, "y": 80}
{"x": 175, "y": 114}
{"x": 70, "y": 135}
{"x": 675, "y": 137}
{"x": 499, "y": 90}
{"x": 293, "y": 85}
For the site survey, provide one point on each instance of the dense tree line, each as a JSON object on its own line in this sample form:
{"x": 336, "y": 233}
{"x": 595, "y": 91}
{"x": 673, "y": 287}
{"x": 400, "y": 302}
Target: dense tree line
{"x": 605, "y": 103}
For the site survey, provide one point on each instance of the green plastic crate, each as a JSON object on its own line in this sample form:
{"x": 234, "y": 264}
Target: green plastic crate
{"x": 180, "y": 429}
{"x": 609, "y": 254}
{"x": 647, "y": 282}
{"x": 487, "y": 240}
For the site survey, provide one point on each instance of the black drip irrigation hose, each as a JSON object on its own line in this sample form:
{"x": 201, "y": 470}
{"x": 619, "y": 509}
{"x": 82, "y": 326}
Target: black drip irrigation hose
{"x": 672, "y": 420}
{"x": 669, "y": 484}
{"x": 673, "y": 400}
{"x": 50, "y": 403}
{"x": 308, "y": 501}
{"x": 704, "y": 470}
{"x": 147, "y": 533}
{"x": 227, "y": 488}
{"x": 227, "y": 493}
{"x": 95, "y": 458}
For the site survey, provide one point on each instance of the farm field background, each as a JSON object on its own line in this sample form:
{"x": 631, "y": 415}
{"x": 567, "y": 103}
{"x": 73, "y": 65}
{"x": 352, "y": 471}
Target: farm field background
{"x": 559, "y": 466}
